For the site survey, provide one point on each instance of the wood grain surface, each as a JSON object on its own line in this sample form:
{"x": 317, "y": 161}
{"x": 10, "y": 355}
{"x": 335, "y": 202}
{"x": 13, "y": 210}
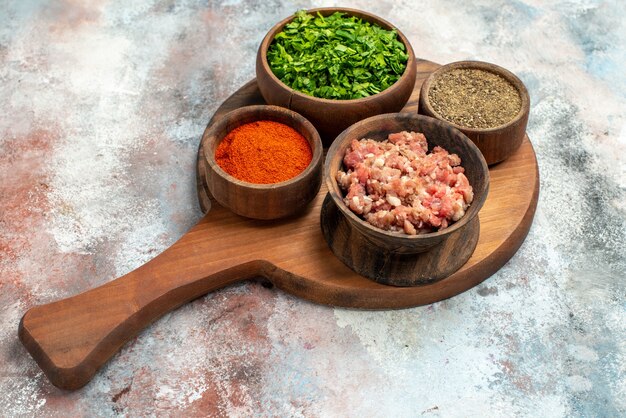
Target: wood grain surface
{"x": 72, "y": 338}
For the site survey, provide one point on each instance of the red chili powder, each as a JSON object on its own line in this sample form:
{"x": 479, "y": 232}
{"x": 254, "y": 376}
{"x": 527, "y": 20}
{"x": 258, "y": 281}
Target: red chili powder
{"x": 263, "y": 152}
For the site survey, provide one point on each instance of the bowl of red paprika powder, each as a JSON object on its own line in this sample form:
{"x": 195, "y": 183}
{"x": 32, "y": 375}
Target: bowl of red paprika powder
{"x": 263, "y": 162}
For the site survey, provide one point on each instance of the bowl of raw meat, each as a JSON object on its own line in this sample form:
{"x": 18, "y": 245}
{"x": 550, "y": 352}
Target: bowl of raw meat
{"x": 405, "y": 181}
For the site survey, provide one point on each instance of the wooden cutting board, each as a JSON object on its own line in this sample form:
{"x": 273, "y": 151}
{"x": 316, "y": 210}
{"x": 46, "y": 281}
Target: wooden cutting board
{"x": 72, "y": 338}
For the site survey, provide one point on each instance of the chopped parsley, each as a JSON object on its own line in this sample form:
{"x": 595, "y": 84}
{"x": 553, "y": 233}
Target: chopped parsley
{"x": 336, "y": 57}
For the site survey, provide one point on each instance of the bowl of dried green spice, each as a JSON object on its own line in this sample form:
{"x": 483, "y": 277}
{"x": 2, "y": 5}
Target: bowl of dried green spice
{"x": 336, "y": 66}
{"x": 486, "y": 102}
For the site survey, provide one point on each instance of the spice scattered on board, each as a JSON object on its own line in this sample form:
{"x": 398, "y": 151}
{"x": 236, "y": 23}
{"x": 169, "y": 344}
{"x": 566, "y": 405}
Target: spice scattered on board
{"x": 263, "y": 152}
{"x": 474, "y": 98}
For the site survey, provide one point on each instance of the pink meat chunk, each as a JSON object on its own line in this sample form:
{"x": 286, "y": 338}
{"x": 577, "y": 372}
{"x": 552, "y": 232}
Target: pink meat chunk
{"x": 396, "y": 185}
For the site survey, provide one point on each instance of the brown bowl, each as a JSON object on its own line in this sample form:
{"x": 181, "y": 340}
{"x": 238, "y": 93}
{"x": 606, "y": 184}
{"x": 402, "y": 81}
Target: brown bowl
{"x": 496, "y": 144}
{"x": 437, "y": 133}
{"x": 331, "y": 117}
{"x": 263, "y": 201}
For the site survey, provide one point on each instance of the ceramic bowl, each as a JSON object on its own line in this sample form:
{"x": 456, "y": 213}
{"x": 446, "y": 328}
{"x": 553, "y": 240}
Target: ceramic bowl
{"x": 331, "y": 117}
{"x": 263, "y": 201}
{"x": 437, "y": 133}
{"x": 500, "y": 142}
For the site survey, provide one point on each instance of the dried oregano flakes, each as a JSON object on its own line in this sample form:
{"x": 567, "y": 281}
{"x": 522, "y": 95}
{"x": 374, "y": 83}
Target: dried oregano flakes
{"x": 474, "y": 98}
{"x": 337, "y": 56}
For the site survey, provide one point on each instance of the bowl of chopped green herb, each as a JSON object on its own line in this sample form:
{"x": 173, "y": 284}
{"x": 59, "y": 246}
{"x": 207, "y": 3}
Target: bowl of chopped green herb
{"x": 486, "y": 102}
{"x": 336, "y": 66}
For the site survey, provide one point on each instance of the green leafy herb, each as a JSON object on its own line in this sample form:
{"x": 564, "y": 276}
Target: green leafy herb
{"x": 336, "y": 57}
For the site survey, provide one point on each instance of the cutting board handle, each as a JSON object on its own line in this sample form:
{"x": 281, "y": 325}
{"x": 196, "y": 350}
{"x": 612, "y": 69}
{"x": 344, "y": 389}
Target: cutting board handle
{"x": 70, "y": 343}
